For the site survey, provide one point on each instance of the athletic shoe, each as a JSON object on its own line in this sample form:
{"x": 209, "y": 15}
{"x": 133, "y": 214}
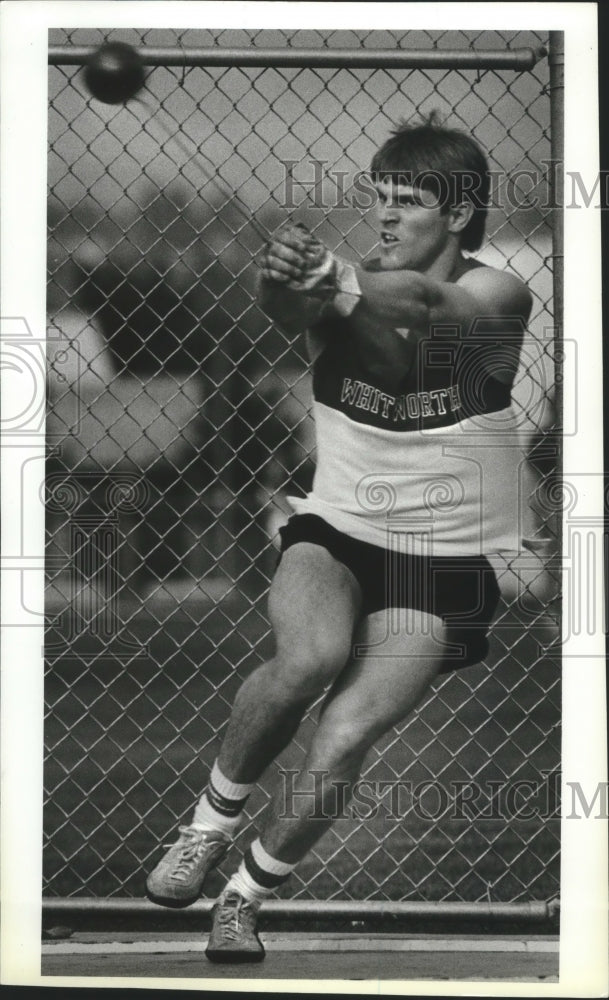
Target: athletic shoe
{"x": 233, "y": 935}
{"x": 178, "y": 878}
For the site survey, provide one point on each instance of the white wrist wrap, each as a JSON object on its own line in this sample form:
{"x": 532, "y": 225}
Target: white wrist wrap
{"x": 348, "y": 292}
{"x": 333, "y": 278}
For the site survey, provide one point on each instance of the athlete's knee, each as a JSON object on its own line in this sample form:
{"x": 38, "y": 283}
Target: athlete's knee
{"x": 343, "y": 743}
{"x": 305, "y": 670}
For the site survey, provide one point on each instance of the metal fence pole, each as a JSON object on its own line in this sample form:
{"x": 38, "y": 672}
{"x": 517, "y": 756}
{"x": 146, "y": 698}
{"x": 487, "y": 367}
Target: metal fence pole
{"x": 516, "y": 59}
{"x": 533, "y": 912}
{"x": 557, "y": 131}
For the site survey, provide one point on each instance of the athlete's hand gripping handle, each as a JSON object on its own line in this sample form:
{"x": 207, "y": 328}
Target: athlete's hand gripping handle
{"x": 298, "y": 260}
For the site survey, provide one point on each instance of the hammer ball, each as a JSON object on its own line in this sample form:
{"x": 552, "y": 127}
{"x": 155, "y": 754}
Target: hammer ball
{"x": 114, "y": 73}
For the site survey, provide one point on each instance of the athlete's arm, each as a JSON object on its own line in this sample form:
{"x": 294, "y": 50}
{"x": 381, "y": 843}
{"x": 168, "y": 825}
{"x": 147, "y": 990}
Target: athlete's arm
{"x": 301, "y": 279}
{"x": 396, "y": 298}
{"x": 413, "y": 300}
{"x": 483, "y": 302}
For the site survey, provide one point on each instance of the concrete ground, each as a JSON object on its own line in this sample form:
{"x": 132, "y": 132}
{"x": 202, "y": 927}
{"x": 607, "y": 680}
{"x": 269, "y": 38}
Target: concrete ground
{"x": 309, "y": 957}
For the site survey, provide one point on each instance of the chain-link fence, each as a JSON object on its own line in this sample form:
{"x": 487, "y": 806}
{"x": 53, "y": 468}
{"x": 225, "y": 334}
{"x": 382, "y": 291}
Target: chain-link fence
{"x": 179, "y": 420}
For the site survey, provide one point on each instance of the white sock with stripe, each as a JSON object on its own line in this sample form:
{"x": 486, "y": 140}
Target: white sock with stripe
{"x": 221, "y": 805}
{"x": 258, "y": 875}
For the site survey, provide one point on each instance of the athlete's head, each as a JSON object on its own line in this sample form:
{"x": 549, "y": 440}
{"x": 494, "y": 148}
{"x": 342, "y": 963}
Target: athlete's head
{"x": 433, "y": 184}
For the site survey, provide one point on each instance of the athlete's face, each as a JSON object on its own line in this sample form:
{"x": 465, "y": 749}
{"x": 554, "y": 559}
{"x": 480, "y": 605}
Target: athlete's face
{"x": 413, "y": 229}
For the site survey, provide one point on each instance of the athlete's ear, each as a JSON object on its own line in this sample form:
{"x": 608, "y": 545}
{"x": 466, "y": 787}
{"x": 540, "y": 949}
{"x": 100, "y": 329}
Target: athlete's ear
{"x": 459, "y": 216}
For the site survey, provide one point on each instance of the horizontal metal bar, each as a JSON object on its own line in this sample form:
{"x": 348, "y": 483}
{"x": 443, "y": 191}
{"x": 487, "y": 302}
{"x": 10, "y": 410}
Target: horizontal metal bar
{"x": 517, "y": 59}
{"x": 349, "y": 909}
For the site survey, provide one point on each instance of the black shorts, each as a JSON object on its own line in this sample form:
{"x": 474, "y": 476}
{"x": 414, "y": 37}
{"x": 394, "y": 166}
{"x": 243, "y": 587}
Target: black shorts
{"x": 461, "y": 590}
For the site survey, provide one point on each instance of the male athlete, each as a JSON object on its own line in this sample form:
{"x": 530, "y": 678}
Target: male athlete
{"x": 413, "y": 357}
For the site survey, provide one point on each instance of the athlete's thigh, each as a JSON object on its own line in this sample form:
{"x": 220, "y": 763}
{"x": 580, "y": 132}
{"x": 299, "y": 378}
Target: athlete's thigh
{"x": 389, "y": 672}
{"x": 314, "y": 601}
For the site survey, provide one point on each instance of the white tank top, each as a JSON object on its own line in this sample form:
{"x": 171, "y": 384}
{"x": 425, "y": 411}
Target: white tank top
{"x": 433, "y": 469}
